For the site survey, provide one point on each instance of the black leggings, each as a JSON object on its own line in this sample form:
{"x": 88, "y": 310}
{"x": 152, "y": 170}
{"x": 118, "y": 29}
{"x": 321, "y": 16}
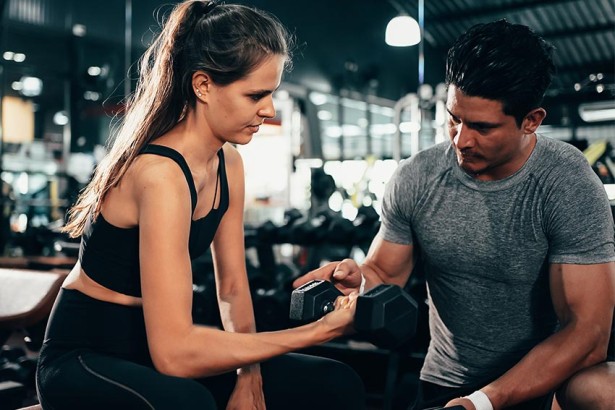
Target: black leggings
{"x": 103, "y": 363}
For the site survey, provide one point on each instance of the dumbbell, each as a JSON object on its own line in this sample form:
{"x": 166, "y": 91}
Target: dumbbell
{"x": 11, "y": 353}
{"x": 385, "y": 315}
{"x": 15, "y": 372}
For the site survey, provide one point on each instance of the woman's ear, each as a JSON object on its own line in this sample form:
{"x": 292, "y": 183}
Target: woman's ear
{"x": 200, "y": 83}
{"x": 532, "y": 120}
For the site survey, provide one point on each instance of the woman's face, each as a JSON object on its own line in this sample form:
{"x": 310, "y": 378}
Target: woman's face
{"x": 235, "y": 111}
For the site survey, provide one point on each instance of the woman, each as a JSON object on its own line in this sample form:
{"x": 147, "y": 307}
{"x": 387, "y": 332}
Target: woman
{"x": 121, "y": 334}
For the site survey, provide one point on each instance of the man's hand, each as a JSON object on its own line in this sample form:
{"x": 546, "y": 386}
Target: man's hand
{"x": 248, "y": 392}
{"x": 461, "y": 401}
{"x": 345, "y": 275}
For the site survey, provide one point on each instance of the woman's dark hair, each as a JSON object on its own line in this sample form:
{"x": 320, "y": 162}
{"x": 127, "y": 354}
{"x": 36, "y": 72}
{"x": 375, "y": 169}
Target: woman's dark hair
{"x": 503, "y": 62}
{"x": 226, "y": 41}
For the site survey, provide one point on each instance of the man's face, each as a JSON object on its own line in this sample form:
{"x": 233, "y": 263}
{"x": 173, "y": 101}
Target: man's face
{"x": 488, "y": 143}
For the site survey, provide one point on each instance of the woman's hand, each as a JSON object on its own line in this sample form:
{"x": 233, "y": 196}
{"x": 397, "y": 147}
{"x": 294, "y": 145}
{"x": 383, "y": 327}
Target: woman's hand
{"x": 345, "y": 275}
{"x": 340, "y": 320}
{"x": 248, "y": 391}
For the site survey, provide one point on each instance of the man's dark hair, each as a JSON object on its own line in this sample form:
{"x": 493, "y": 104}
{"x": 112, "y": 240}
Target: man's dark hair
{"x": 503, "y": 62}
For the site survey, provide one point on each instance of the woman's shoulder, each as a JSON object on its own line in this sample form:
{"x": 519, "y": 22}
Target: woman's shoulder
{"x": 232, "y": 158}
{"x": 155, "y": 172}
{"x": 230, "y": 153}
{"x": 147, "y": 166}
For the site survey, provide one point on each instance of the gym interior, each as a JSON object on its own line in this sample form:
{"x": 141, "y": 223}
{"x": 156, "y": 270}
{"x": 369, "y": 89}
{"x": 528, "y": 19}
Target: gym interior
{"x": 352, "y": 107}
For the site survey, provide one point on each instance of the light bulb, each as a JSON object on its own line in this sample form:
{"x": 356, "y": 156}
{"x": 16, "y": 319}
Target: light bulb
{"x": 402, "y": 31}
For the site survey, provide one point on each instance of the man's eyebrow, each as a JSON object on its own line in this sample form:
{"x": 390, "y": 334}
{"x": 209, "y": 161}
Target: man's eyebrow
{"x": 484, "y": 124}
{"x": 477, "y": 124}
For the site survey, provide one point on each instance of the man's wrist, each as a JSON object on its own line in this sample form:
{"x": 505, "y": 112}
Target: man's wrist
{"x": 362, "y": 285}
{"x": 480, "y": 400}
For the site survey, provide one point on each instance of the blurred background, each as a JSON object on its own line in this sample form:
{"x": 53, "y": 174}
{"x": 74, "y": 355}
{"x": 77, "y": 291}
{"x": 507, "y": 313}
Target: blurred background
{"x": 352, "y": 107}
{"x": 351, "y": 103}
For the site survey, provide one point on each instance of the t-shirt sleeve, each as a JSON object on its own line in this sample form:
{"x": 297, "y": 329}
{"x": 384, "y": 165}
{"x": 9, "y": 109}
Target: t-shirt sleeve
{"x": 397, "y": 205}
{"x": 579, "y": 222}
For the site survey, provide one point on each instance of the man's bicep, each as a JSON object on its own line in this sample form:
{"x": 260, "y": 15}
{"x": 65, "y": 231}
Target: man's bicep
{"x": 393, "y": 262}
{"x": 583, "y": 292}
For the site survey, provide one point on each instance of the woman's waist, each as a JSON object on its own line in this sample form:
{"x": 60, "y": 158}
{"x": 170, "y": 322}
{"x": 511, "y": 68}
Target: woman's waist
{"x": 80, "y": 281}
{"x": 80, "y": 320}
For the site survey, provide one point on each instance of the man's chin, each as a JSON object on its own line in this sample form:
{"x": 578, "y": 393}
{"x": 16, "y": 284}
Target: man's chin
{"x": 469, "y": 167}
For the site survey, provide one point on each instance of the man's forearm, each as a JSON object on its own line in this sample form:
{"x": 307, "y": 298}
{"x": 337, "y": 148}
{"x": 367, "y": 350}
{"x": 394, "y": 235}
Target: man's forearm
{"x": 375, "y": 276}
{"x": 547, "y": 365}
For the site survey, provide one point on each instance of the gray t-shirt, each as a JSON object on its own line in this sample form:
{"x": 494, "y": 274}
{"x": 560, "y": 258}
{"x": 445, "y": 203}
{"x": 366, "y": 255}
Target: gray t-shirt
{"x": 486, "y": 247}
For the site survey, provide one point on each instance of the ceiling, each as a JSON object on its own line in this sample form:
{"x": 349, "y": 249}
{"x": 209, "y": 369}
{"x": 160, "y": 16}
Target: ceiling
{"x": 336, "y": 32}
{"x": 340, "y": 43}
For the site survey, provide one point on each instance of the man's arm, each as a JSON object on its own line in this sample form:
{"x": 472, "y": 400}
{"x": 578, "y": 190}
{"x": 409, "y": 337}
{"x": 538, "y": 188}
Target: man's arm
{"x": 583, "y": 297}
{"x": 386, "y": 262}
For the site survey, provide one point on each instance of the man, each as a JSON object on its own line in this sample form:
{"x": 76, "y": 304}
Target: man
{"x": 513, "y": 229}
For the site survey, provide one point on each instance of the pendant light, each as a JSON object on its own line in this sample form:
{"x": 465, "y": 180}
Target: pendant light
{"x": 402, "y": 31}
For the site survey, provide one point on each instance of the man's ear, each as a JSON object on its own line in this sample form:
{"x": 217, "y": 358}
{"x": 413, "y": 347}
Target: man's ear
{"x": 532, "y": 120}
{"x": 201, "y": 82}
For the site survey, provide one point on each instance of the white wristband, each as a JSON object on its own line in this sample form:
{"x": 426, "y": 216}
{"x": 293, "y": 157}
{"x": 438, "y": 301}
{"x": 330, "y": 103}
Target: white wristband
{"x": 480, "y": 400}
{"x": 362, "y": 286}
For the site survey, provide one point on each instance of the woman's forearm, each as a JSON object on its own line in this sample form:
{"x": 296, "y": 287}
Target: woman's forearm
{"x": 237, "y": 315}
{"x": 236, "y": 311}
{"x": 207, "y": 351}
{"x": 188, "y": 350}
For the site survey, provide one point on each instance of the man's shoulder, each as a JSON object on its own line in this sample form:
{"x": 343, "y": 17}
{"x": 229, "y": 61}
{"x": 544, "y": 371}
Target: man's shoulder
{"x": 558, "y": 151}
{"x": 563, "y": 166}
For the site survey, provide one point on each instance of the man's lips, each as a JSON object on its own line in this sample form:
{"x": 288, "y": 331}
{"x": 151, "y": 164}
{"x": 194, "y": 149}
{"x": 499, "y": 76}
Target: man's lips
{"x": 468, "y": 156}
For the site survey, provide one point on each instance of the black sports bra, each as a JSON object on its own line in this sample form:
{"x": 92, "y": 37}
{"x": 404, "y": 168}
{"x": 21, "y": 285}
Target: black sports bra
{"x": 110, "y": 255}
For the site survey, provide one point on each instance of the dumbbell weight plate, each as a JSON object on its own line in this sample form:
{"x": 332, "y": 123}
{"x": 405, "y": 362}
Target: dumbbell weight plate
{"x": 312, "y": 300}
{"x": 387, "y": 315}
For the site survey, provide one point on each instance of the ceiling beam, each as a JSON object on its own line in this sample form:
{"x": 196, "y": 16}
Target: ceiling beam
{"x": 605, "y": 67}
{"x": 475, "y": 12}
{"x": 598, "y": 28}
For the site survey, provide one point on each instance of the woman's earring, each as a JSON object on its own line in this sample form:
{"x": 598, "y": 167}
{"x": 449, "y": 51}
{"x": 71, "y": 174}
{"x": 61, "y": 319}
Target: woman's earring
{"x": 199, "y": 93}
